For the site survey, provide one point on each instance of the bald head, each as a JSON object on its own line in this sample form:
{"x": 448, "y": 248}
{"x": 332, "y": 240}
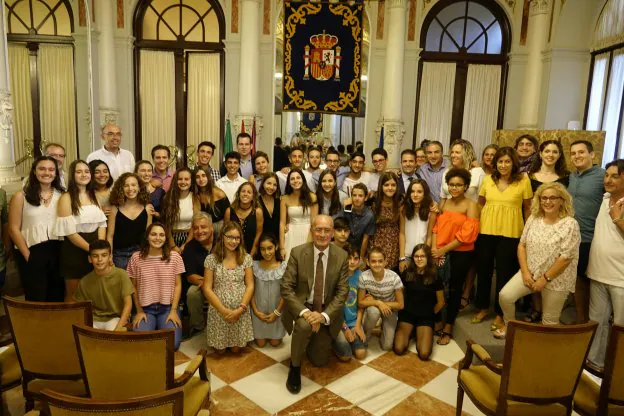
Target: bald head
{"x": 322, "y": 231}
{"x": 323, "y": 220}
{"x": 111, "y": 134}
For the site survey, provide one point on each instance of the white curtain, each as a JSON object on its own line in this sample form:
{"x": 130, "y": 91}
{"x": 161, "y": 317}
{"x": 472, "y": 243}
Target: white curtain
{"x": 613, "y": 107}
{"x": 346, "y": 130}
{"x": 598, "y": 90}
{"x": 610, "y": 27}
{"x": 157, "y": 95}
{"x": 481, "y": 105}
{"x": 435, "y": 108}
{"x": 204, "y": 100}
{"x": 22, "y": 104}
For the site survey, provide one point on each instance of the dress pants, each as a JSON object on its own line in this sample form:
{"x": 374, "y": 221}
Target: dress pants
{"x": 317, "y": 345}
{"x": 604, "y": 300}
{"x": 40, "y": 275}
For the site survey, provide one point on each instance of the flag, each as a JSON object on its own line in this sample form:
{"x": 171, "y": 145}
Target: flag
{"x": 227, "y": 141}
{"x": 253, "y": 137}
{"x": 242, "y": 126}
{"x": 381, "y": 138}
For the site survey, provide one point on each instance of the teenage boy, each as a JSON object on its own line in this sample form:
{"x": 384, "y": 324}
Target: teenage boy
{"x": 351, "y": 340}
{"x": 107, "y": 287}
{"x": 296, "y": 162}
{"x": 380, "y": 164}
{"x": 205, "y": 151}
{"x": 361, "y": 219}
{"x": 356, "y": 174}
{"x": 232, "y": 179}
{"x": 341, "y": 232}
{"x": 332, "y": 159}
{"x": 433, "y": 170}
{"x": 162, "y": 174}
{"x": 386, "y": 298}
{"x": 314, "y": 163}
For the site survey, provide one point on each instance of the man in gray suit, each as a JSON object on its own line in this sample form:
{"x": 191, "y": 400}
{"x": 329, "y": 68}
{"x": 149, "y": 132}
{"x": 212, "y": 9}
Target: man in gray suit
{"x": 314, "y": 288}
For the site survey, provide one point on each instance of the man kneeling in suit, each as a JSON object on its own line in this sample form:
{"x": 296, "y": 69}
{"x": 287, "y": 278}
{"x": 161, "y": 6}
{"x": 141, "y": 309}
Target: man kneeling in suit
{"x": 314, "y": 288}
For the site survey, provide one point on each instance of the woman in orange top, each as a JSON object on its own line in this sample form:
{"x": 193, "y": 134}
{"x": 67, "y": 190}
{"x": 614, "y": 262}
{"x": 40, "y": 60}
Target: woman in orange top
{"x": 455, "y": 233}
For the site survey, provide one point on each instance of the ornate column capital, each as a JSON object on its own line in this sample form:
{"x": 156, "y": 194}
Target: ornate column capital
{"x": 400, "y": 4}
{"x": 540, "y": 7}
{"x": 394, "y": 131}
{"x": 6, "y": 115}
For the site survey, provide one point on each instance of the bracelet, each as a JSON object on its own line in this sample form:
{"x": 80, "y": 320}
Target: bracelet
{"x": 242, "y": 305}
{"x": 546, "y": 278}
{"x": 403, "y": 259}
{"x": 277, "y": 313}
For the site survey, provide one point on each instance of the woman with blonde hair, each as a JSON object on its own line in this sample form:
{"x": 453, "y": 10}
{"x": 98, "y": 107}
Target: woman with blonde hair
{"x": 463, "y": 157}
{"x": 548, "y": 256}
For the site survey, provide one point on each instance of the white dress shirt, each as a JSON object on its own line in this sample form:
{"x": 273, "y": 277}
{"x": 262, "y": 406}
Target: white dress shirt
{"x": 119, "y": 163}
{"x": 310, "y": 299}
{"x": 230, "y": 186}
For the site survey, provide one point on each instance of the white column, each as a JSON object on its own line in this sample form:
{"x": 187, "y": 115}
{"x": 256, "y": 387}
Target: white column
{"x": 8, "y": 179}
{"x": 106, "y": 19}
{"x": 538, "y": 30}
{"x": 392, "y": 98}
{"x": 249, "y": 77}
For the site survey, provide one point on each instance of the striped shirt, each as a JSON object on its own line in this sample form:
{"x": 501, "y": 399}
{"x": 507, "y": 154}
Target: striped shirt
{"x": 155, "y": 278}
{"x": 384, "y": 289}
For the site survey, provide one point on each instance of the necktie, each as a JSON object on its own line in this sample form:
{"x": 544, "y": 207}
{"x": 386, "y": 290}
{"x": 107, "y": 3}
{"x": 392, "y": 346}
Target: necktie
{"x": 319, "y": 280}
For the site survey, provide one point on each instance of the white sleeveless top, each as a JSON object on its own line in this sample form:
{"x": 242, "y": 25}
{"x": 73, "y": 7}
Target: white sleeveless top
{"x": 38, "y": 223}
{"x": 89, "y": 218}
{"x": 186, "y": 214}
{"x": 415, "y": 233}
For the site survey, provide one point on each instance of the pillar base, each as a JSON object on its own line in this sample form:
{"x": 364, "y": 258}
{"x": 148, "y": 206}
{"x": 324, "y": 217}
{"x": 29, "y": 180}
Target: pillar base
{"x": 394, "y": 131}
{"x": 248, "y": 119}
{"x": 9, "y": 180}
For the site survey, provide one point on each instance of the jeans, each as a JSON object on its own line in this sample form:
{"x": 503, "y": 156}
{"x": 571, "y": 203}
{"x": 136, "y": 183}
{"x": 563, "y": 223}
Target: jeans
{"x": 552, "y": 301}
{"x": 344, "y": 348}
{"x": 157, "y": 319}
{"x": 604, "y": 300}
{"x": 388, "y": 326}
{"x": 121, "y": 256}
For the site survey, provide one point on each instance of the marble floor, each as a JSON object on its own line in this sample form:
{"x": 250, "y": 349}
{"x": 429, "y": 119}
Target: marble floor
{"x": 253, "y": 383}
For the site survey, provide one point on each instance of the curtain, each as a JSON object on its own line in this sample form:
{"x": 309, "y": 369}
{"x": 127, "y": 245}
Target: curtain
{"x": 22, "y": 104}
{"x": 613, "y": 107}
{"x": 598, "y": 89}
{"x": 204, "y": 100}
{"x": 610, "y": 26}
{"x": 481, "y": 105}
{"x": 347, "y": 128}
{"x": 435, "y": 108}
{"x": 157, "y": 95}
{"x": 57, "y": 94}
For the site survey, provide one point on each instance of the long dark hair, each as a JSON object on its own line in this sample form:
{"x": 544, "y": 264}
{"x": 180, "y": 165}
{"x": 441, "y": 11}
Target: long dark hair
{"x": 408, "y": 205}
{"x": 396, "y": 199}
{"x": 74, "y": 192}
{"x": 411, "y": 273}
{"x": 269, "y": 237}
{"x": 118, "y": 198}
{"x": 516, "y": 175}
{"x": 334, "y": 199}
{"x": 305, "y": 198}
{"x": 206, "y": 191}
{"x": 266, "y": 176}
{"x": 145, "y": 246}
{"x": 93, "y": 165}
{"x": 561, "y": 169}
{"x": 32, "y": 190}
{"x": 171, "y": 201}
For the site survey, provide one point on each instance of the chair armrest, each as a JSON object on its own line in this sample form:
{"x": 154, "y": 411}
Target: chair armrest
{"x": 199, "y": 362}
{"x": 204, "y": 412}
{"x": 482, "y": 355}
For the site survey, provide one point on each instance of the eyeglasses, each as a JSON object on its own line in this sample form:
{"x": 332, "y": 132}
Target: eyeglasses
{"x": 111, "y": 134}
{"x": 232, "y": 237}
{"x": 549, "y": 198}
{"x": 328, "y": 161}
{"x": 378, "y": 161}
{"x": 59, "y": 155}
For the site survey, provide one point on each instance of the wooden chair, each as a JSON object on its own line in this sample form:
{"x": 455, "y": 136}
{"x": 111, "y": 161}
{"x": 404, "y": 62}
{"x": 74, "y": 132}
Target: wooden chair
{"x": 122, "y": 365}
{"x": 607, "y": 398}
{"x": 45, "y": 346}
{"x": 10, "y": 373}
{"x": 169, "y": 403}
{"x": 540, "y": 371}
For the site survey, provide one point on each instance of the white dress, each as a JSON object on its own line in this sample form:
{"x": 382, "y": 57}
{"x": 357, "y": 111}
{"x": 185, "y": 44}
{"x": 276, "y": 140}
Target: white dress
{"x": 415, "y": 233}
{"x": 298, "y": 227}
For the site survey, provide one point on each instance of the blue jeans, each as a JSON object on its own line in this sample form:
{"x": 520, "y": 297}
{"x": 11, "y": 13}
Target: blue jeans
{"x": 121, "y": 256}
{"x": 157, "y": 319}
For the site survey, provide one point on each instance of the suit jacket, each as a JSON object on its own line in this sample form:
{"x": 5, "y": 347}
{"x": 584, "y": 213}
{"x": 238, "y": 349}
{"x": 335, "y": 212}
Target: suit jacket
{"x": 401, "y": 187}
{"x": 298, "y": 282}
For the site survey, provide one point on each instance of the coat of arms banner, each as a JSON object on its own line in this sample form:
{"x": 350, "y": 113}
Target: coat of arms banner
{"x": 322, "y": 56}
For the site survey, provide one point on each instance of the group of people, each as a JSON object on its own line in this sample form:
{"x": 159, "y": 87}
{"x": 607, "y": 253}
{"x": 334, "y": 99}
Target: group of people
{"x": 324, "y": 251}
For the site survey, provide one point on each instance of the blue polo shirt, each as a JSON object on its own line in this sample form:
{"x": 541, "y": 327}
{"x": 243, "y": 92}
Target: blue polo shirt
{"x": 587, "y": 190}
{"x": 360, "y": 223}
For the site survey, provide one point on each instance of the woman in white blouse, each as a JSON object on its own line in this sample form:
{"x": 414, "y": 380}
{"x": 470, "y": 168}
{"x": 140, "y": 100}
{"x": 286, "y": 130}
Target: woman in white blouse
{"x": 548, "y": 256}
{"x": 178, "y": 209}
{"x": 32, "y": 221}
{"x": 81, "y": 221}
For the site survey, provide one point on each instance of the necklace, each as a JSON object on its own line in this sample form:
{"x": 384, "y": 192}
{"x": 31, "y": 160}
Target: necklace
{"x": 45, "y": 200}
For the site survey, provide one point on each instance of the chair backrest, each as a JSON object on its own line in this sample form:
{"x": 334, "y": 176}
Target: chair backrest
{"x": 612, "y": 387}
{"x": 169, "y": 403}
{"x": 43, "y": 336}
{"x": 543, "y": 364}
{"x": 121, "y": 365}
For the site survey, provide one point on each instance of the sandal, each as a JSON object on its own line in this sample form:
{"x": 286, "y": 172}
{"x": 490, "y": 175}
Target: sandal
{"x": 442, "y": 335}
{"x": 464, "y": 303}
{"x": 479, "y": 317}
{"x": 500, "y": 333}
{"x": 534, "y": 316}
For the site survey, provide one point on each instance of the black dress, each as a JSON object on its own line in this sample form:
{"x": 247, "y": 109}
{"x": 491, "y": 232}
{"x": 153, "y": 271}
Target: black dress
{"x": 218, "y": 212}
{"x": 536, "y": 184}
{"x": 249, "y": 226}
{"x": 271, "y": 222}
{"x": 420, "y": 300}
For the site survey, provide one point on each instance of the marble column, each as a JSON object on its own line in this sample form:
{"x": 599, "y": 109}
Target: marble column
{"x": 392, "y": 98}
{"x": 9, "y": 181}
{"x": 538, "y": 31}
{"x": 106, "y": 18}
{"x": 249, "y": 77}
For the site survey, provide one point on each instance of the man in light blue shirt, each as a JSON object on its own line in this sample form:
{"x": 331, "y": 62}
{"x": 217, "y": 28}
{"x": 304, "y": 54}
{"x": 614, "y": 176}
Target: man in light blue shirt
{"x": 433, "y": 170}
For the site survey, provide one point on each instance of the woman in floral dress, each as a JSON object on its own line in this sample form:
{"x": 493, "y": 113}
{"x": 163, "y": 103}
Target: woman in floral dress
{"x": 387, "y": 219}
{"x": 228, "y": 287}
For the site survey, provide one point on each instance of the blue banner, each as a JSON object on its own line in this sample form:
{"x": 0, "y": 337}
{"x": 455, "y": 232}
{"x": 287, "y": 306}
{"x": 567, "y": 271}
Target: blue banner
{"x": 322, "y": 57}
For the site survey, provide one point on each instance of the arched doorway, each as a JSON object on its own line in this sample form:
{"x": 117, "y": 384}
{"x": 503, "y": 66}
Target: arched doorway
{"x": 179, "y": 74}
{"x": 463, "y": 63}
{"x": 41, "y": 65}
